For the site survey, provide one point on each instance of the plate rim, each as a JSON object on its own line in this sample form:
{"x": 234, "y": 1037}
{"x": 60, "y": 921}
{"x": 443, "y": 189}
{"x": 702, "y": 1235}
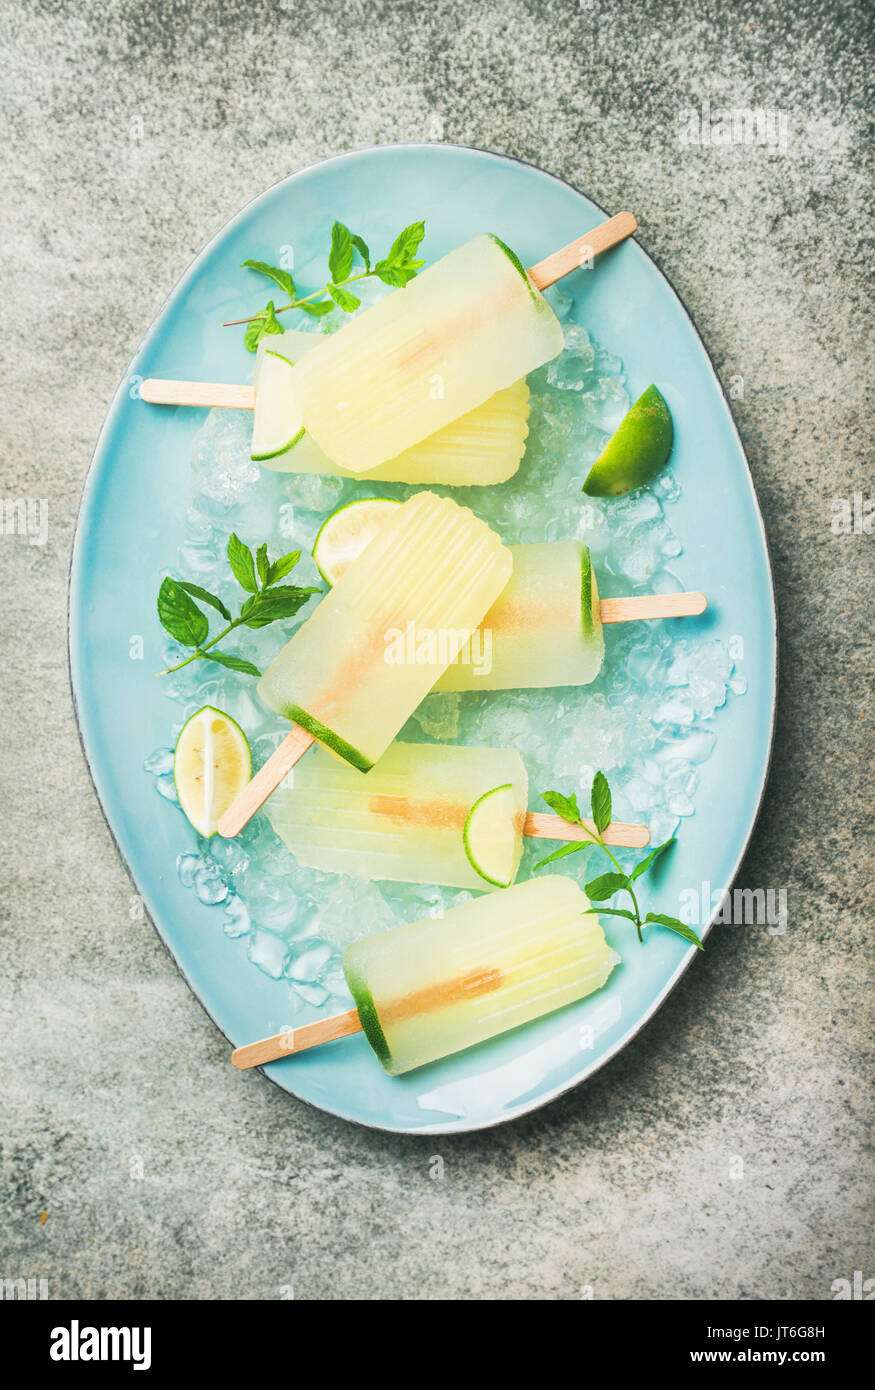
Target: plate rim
{"x": 458, "y": 1125}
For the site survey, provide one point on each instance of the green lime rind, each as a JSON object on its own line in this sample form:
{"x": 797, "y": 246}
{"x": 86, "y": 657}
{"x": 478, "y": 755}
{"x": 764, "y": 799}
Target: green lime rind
{"x": 327, "y": 736}
{"x": 276, "y": 453}
{"x": 587, "y": 622}
{"x": 273, "y": 352}
{"x": 367, "y": 1011}
{"x": 356, "y": 502}
{"x": 513, "y": 258}
{"x": 466, "y": 838}
{"x": 636, "y": 451}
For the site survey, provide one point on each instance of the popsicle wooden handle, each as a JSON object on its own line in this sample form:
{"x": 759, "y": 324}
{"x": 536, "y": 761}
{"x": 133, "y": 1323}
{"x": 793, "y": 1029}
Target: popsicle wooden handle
{"x": 546, "y": 827}
{"x": 632, "y": 610}
{"x": 580, "y": 252}
{"x": 208, "y": 393}
{"x": 296, "y": 1040}
{"x": 256, "y": 792}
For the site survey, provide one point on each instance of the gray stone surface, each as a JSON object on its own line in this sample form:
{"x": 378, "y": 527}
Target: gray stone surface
{"x": 625, "y": 1185}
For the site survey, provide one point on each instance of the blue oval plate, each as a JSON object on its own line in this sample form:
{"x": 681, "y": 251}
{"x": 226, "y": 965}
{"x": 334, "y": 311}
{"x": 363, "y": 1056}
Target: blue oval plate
{"x": 131, "y": 522}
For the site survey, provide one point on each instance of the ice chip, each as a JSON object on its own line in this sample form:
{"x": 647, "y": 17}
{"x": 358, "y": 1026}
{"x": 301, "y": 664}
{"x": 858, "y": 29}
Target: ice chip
{"x": 268, "y": 953}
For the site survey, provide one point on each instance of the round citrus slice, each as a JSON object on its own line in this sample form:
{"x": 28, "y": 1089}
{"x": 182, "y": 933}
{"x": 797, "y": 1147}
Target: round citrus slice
{"x": 492, "y": 836}
{"x": 278, "y": 423}
{"x": 345, "y": 533}
{"x": 211, "y": 764}
{"x": 636, "y": 450}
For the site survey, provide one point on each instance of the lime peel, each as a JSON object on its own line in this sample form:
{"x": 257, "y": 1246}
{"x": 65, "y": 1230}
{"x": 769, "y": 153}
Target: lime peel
{"x": 636, "y": 451}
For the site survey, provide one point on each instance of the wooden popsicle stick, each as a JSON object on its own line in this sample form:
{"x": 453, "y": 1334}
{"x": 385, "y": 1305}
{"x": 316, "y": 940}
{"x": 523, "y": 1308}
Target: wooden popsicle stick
{"x": 632, "y": 610}
{"x": 265, "y": 781}
{"x": 541, "y": 826}
{"x": 296, "y": 1040}
{"x": 157, "y": 391}
{"x": 580, "y": 252}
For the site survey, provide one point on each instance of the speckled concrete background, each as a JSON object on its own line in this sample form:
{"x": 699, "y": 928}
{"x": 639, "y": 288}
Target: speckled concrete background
{"x": 131, "y": 129}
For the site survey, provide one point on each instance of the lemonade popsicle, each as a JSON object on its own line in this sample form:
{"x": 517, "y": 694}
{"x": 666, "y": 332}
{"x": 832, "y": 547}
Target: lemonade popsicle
{"x": 470, "y": 325}
{"x": 356, "y": 669}
{"x": 481, "y": 448}
{"x": 544, "y": 629}
{"x": 426, "y": 813}
{"x": 439, "y": 985}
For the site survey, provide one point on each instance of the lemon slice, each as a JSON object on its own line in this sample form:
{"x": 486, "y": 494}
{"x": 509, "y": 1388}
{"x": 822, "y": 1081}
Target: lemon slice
{"x": 636, "y": 450}
{"x": 211, "y": 764}
{"x": 491, "y": 836}
{"x": 345, "y": 533}
{"x": 278, "y": 423}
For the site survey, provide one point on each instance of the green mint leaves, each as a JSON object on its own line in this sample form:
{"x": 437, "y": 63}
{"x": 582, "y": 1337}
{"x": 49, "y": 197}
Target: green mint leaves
{"x": 268, "y": 601}
{"x": 264, "y": 323}
{"x": 397, "y": 268}
{"x": 599, "y": 889}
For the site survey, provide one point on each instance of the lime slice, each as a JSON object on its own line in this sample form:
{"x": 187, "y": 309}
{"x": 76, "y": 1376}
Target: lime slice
{"x": 345, "y": 533}
{"x": 211, "y": 764}
{"x": 491, "y": 838}
{"x": 278, "y": 423}
{"x": 636, "y": 450}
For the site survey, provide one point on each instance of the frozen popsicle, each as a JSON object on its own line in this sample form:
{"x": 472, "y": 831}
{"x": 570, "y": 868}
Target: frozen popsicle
{"x": 543, "y": 629}
{"x": 356, "y": 669}
{"x": 480, "y": 448}
{"x": 439, "y": 985}
{"x": 407, "y": 819}
{"x": 470, "y": 325}
{"x": 425, "y": 813}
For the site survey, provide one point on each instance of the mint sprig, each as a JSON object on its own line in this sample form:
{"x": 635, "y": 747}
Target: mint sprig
{"x": 599, "y": 889}
{"x": 396, "y": 268}
{"x": 267, "y": 601}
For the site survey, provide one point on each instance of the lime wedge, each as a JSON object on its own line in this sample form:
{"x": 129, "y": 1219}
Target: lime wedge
{"x": 636, "y": 450}
{"x": 278, "y": 423}
{"x": 211, "y": 764}
{"x": 345, "y": 533}
{"x": 492, "y": 836}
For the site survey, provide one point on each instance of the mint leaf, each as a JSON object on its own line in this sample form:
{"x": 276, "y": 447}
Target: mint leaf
{"x": 180, "y": 616}
{"x": 280, "y": 568}
{"x": 600, "y": 800}
{"x": 281, "y": 602}
{"x": 645, "y": 863}
{"x": 234, "y": 663}
{"x": 279, "y": 277}
{"x": 262, "y": 562}
{"x": 616, "y": 912}
{"x": 205, "y": 597}
{"x": 676, "y": 925}
{"x": 605, "y": 886}
{"x": 362, "y": 248}
{"x": 406, "y": 244}
{"x": 340, "y": 255}
{"x": 242, "y": 564}
{"x": 562, "y": 853}
{"x": 343, "y": 299}
{"x": 396, "y": 275}
{"x": 564, "y": 806}
{"x": 317, "y": 311}
{"x": 261, "y": 325}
